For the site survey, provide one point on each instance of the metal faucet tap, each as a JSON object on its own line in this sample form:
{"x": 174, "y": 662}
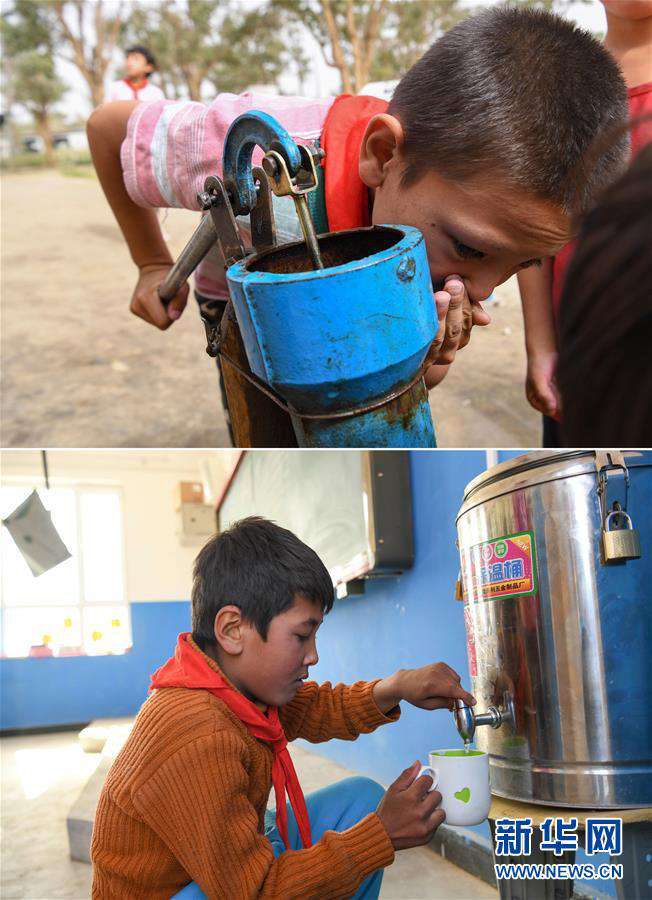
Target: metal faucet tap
{"x": 466, "y": 720}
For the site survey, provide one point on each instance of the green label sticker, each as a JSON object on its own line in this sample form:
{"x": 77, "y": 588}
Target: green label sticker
{"x": 464, "y": 795}
{"x": 499, "y": 568}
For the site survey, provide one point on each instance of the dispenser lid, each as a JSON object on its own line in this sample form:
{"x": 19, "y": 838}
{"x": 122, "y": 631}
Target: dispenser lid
{"x": 544, "y": 465}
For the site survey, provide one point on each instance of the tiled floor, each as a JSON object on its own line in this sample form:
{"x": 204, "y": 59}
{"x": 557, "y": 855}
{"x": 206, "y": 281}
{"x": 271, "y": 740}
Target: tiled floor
{"x": 43, "y": 775}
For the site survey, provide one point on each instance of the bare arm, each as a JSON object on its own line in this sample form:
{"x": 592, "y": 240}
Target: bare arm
{"x": 106, "y": 130}
{"x": 535, "y": 285}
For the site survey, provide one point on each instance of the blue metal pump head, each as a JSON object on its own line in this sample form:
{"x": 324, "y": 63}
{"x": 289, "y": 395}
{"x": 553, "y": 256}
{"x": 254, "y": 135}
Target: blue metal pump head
{"x": 248, "y": 131}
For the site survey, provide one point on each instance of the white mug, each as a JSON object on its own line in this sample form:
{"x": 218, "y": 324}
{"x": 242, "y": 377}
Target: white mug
{"x": 462, "y": 779}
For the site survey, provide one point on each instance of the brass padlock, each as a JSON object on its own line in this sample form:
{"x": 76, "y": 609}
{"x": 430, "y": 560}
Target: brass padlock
{"x": 620, "y": 543}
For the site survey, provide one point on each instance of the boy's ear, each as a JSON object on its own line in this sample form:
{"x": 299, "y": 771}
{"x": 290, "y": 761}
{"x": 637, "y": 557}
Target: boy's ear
{"x": 228, "y": 629}
{"x": 381, "y": 145}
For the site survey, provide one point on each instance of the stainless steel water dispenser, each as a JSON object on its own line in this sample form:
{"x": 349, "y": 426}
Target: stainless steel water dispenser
{"x": 559, "y": 626}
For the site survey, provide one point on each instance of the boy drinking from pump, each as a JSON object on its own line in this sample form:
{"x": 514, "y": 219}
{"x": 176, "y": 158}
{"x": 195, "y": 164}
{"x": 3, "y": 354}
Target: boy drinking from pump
{"x": 185, "y": 799}
{"x": 480, "y": 148}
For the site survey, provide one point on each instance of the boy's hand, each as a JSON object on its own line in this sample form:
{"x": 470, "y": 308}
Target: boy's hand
{"x": 540, "y": 385}
{"x": 146, "y": 303}
{"x": 431, "y": 687}
{"x": 457, "y": 315}
{"x": 409, "y": 810}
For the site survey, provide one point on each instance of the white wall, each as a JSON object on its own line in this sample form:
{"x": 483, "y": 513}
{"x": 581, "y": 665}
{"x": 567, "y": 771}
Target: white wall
{"x": 158, "y": 565}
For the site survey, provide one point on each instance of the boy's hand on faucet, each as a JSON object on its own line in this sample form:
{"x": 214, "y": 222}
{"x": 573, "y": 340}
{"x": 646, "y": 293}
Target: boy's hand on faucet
{"x": 146, "y": 303}
{"x": 434, "y": 686}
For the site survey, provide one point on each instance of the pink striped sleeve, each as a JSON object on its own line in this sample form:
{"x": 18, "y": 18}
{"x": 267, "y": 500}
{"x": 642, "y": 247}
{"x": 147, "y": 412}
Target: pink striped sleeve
{"x": 153, "y": 153}
{"x": 172, "y": 146}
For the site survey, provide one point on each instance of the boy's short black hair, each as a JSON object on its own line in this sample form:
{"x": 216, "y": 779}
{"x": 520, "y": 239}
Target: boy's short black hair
{"x": 259, "y": 567}
{"x": 146, "y": 52}
{"x": 519, "y": 95}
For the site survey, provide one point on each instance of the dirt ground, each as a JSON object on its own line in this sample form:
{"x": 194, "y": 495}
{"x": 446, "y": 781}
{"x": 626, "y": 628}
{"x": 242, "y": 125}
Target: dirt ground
{"x": 80, "y": 371}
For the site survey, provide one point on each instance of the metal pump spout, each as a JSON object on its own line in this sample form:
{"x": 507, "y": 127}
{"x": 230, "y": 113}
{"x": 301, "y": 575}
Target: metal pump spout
{"x": 466, "y": 720}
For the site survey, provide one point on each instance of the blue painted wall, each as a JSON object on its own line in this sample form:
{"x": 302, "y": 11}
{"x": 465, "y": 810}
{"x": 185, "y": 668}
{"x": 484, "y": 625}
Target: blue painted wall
{"x": 406, "y": 622}
{"x": 51, "y": 691}
{"x": 504, "y": 455}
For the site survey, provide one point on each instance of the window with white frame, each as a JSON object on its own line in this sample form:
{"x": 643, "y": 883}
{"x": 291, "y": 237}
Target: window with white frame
{"x": 78, "y": 607}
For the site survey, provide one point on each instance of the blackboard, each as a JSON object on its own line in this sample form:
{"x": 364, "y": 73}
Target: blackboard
{"x": 352, "y": 507}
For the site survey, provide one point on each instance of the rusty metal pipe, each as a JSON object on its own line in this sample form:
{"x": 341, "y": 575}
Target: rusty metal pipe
{"x": 192, "y": 254}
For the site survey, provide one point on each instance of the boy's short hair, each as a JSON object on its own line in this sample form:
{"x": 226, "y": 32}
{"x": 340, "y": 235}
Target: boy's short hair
{"x": 519, "y": 94}
{"x": 144, "y": 51}
{"x": 259, "y": 567}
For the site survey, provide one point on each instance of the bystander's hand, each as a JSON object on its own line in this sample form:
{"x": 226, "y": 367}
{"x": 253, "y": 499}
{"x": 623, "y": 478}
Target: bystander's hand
{"x": 540, "y": 385}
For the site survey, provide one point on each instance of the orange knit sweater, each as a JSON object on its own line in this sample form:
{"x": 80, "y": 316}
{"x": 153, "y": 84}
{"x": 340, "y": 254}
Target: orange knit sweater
{"x": 185, "y": 801}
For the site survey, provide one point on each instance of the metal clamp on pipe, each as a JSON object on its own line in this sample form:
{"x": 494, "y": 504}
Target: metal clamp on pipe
{"x": 243, "y": 191}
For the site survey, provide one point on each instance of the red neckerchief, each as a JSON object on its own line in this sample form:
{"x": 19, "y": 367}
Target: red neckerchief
{"x": 347, "y": 196}
{"x": 189, "y": 668}
{"x": 136, "y": 86}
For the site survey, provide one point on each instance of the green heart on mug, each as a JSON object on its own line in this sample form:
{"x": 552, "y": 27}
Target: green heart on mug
{"x": 464, "y": 795}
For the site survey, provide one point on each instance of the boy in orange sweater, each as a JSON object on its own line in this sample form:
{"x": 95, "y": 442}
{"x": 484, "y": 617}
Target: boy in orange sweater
{"x": 185, "y": 799}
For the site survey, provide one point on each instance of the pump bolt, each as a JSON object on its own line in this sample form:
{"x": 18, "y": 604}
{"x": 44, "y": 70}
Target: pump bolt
{"x": 205, "y": 200}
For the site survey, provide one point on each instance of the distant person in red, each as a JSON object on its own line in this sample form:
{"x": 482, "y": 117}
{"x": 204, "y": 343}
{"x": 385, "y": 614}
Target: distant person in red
{"x": 139, "y": 65}
{"x": 629, "y": 40}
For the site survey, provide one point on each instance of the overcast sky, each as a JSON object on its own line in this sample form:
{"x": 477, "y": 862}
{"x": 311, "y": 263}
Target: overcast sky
{"x": 322, "y": 80}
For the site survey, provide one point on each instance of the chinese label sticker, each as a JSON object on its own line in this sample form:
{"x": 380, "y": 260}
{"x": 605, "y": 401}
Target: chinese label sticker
{"x": 503, "y": 567}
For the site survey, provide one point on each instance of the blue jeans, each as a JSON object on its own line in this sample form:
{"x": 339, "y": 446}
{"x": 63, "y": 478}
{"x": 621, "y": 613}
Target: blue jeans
{"x": 334, "y": 808}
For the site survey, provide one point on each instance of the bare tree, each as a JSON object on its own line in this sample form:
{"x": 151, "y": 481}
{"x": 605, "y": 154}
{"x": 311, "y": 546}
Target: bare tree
{"x": 215, "y": 45}
{"x": 90, "y": 33}
{"x": 371, "y": 39}
{"x": 38, "y": 89}
{"x": 409, "y": 30}
{"x": 347, "y": 31}
{"x": 25, "y": 28}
